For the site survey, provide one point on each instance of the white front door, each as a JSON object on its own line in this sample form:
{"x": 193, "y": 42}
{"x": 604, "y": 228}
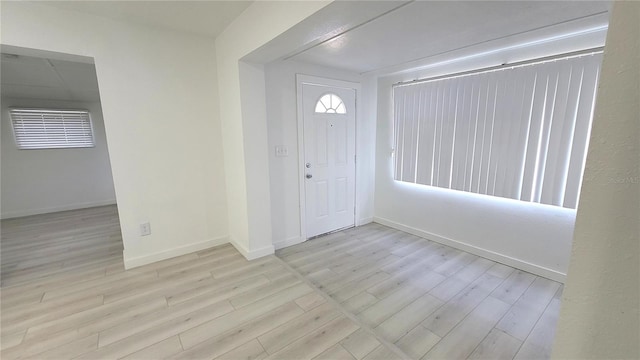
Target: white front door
{"x": 329, "y": 157}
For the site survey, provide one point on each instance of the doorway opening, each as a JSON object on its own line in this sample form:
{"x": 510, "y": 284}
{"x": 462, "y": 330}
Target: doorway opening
{"x": 59, "y": 207}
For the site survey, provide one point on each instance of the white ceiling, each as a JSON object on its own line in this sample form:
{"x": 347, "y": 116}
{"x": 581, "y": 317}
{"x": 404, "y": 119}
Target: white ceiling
{"x": 426, "y": 28}
{"x": 28, "y": 77}
{"x": 206, "y": 18}
{"x": 369, "y": 40}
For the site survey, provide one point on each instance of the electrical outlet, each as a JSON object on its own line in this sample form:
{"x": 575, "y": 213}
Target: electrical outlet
{"x": 145, "y": 229}
{"x": 282, "y": 151}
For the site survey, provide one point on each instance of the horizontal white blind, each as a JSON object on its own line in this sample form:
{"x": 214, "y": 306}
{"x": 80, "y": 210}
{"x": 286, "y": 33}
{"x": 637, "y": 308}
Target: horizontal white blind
{"x": 520, "y": 132}
{"x": 51, "y": 129}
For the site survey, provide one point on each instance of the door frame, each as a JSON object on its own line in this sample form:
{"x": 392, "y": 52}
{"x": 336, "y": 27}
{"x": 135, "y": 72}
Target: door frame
{"x": 302, "y": 79}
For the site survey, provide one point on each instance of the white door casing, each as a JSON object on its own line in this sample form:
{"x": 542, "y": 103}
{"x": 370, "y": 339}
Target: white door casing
{"x": 328, "y": 157}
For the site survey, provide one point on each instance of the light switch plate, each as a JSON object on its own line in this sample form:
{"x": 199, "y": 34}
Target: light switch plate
{"x": 282, "y": 151}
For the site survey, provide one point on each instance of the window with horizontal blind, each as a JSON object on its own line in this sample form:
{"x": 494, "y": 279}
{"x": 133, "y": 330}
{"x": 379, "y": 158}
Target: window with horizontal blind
{"x": 518, "y": 132}
{"x": 51, "y": 129}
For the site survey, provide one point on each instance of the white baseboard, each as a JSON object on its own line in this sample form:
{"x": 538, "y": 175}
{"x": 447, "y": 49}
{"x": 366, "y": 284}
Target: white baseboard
{"x": 130, "y": 263}
{"x": 255, "y": 253}
{"x": 76, "y": 206}
{"x": 364, "y": 221}
{"x": 288, "y": 242}
{"x": 488, "y": 254}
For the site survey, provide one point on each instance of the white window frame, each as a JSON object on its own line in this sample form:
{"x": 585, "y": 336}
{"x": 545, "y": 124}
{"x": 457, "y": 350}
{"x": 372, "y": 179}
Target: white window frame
{"x": 74, "y": 132}
{"x": 339, "y": 109}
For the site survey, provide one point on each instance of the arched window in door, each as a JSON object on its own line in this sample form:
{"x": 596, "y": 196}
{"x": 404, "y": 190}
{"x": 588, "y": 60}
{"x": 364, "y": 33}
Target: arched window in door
{"x": 330, "y": 104}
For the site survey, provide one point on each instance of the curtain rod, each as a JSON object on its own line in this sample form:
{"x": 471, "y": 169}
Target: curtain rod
{"x": 595, "y": 50}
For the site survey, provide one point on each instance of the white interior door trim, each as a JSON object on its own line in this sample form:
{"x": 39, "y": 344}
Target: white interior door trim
{"x": 315, "y": 80}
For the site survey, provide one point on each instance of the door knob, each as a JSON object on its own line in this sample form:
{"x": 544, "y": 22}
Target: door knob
{"x": 309, "y": 176}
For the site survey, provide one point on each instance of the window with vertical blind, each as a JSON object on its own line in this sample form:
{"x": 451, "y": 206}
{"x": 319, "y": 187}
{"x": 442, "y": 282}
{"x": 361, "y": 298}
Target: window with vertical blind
{"x": 518, "y": 132}
{"x": 51, "y": 129}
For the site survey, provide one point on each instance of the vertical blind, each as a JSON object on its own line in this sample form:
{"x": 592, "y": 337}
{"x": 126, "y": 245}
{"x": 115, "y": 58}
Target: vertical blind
{"x": 51, "y": 129}
{"x": 519, "y": 132}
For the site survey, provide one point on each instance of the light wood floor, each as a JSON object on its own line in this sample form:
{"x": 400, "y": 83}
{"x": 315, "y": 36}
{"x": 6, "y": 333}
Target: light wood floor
{"x": 429, "y": 300}
{"x": 366, "y": 293}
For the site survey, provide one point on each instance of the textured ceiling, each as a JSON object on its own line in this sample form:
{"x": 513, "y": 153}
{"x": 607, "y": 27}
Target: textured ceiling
{"x": 426, "y": 28}
{"x": 29, "y": 77}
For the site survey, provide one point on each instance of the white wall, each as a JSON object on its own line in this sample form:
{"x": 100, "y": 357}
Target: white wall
{"x": 600, "y": 314}
{"x": 243, "y": 118}
{"x": 282, "y": 125}
{"x": 160, "y": 105}
{"x": 42, "y": 181}
{"x": 532, "y": 237}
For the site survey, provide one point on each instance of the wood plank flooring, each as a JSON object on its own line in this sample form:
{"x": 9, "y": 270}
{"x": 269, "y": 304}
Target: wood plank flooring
{"x": 43, "y": 245}
{"x": 65, "y": 295}
{"x": 365, "y": 293}
{"x": 429, "y": 300}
